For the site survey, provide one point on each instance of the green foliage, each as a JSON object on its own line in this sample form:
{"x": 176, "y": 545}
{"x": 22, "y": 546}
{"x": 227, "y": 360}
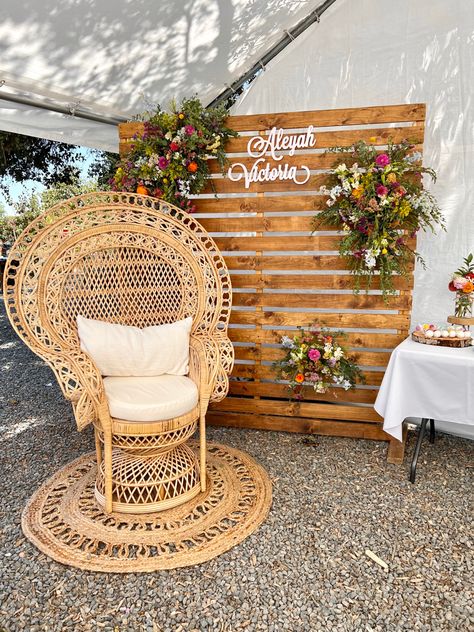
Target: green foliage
{"x": 29, "y": 206}
{"x": 169, "y": 159}
{"x": 45, "y": 161}
{"x": 379, "y": 203}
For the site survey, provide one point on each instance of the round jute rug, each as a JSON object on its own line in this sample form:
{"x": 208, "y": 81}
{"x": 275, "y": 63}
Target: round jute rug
{"x": 64, "y": 520}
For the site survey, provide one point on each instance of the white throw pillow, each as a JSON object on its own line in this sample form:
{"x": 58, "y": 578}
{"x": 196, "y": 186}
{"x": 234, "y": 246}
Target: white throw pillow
{"x": 119, "y": 350}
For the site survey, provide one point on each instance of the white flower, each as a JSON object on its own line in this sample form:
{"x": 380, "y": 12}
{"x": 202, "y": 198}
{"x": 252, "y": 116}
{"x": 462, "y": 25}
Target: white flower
{"x": 346, "y": 385}
{"x": 319, "y": 387}
{"x": 330, "y": 202}
{"x": 327, "y": 347}
{"x": 287, "y": 342}
{"x": 338, "y": 353}
{"x": 168, "y": 135}
{"x": 340, "y": 169}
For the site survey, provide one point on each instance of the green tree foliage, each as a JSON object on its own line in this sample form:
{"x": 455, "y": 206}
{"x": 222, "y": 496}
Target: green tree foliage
{"x": 45, "y": 161}
{"x": 29, "y": 206}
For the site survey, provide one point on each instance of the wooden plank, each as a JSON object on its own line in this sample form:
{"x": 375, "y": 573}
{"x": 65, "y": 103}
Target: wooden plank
{"x": 298, "y": 424}
{"x": 312, "y": 281}
{"x": 330, "y": 118}
{"x": 300, "y": 409}
{"x": 282, "y": 262}
{"x": 363, "y": 358}
{"x": 339, "y": 138}
{"x": 318, "y": 301}
{"x": 334, "y": 320}
{"x": 269, "y": 389}
{"x": 224, "y": 185}
{"x": 310, "y": 243}
{"x": 274, "y": 203}
{"x": 293, "y": 223}
{"x": 266, "y": 372}
{"x": 354, "y": 339}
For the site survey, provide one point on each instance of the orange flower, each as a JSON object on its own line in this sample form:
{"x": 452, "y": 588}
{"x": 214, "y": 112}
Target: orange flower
{"x": 391, "y": 177}
{"x": 299, "y": 377}
{"x": 192, "y": 167}
{"x": 468, "y": 288}
{"x": 142, "y": 190}
{"x": 359, "y": 192}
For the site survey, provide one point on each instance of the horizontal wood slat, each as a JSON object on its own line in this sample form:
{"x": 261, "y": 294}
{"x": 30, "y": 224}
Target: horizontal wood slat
{"x": 266, "y": 372}
{"x": 363, "y": 358}
{"x": 305, "y": 268}
{"x": 268, "y": 389}
{"x": 318, "y": 301}
{"x": 311, "y": 281}
{"x": 300, "y": 409}
{"x": 354, "y": 339}
{"x": 361, "y": 321}
{"x": 331, "y": 118}
{"x": 298, "y": 424}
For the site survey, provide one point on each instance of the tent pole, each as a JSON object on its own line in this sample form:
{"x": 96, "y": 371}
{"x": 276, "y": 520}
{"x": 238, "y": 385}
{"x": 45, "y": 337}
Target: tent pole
{"x": 290, "y": 35}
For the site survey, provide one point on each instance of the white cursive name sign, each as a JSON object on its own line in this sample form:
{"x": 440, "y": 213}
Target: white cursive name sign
{"x": 276, "y": 141}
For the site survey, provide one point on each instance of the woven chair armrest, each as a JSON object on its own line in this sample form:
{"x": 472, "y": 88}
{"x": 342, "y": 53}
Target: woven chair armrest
{"x": 80, "y": 381}
{"x": 215, "y": 357}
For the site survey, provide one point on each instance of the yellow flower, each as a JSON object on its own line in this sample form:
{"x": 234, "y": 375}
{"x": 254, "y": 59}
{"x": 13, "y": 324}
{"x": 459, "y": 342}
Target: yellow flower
{"x": 391, "y": 177}
{"x": 165, "y": 180}
{"x": 358, "y": 192}
{"x": 384, "y": 251}
{"x": 181, "y": 116}
{"x": 372, "y": 139}
{"x": 404, "y": 209}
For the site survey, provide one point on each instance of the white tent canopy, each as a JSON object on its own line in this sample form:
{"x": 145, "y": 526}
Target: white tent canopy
{"x": 115, "y": 58}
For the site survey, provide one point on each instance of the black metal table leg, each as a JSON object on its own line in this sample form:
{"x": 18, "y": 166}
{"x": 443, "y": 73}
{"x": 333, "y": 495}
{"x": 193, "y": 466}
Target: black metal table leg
{"x": 417, "y": 450}
{"x": 432, "y": 431}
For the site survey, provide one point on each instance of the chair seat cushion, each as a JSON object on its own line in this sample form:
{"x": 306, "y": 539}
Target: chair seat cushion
{"x": 150, "y": 398}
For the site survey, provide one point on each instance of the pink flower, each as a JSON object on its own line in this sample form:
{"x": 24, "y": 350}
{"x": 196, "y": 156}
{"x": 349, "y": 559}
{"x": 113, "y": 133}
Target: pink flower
{"x": 382, "y": 160}
{"x": 459, "y": 282}
{"x": 189, "y": 129}
{"x": 162, "y": 162}
{"x": 314, "y": 355}
{"x": 381, "y": 190}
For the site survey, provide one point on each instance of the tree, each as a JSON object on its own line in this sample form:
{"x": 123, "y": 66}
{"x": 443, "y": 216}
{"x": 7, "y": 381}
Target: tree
{"x": 45, "y": 161}
{"x": 31, "y": 205}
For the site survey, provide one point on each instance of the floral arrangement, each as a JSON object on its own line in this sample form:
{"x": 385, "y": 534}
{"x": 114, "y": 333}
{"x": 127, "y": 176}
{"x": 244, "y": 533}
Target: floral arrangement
{"x": 169, "y": 159}
{"x": 314, "y": 357}
{"x": 463, "y": 284}
{"x": 379, "y": 203}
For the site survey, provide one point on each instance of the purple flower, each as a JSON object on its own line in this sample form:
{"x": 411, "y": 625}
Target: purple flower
{"x": 314, "y": 355}
{"x": 189, "y": 129}
{"x": 381, "y": 190}
{"x": 382, "y": 160}
{"x": 332, "y": 362}
{"x": 162, "y": 162}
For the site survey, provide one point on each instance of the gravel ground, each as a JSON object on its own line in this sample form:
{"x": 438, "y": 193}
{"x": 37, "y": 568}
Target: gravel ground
{"x": 304, "y": 569}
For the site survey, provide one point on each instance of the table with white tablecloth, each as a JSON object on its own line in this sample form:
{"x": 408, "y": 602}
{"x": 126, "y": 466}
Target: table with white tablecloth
{"x": 427, "y": 381}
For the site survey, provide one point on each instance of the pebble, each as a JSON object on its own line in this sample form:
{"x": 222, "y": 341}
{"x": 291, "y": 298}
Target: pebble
{"x": 303, "y": 570}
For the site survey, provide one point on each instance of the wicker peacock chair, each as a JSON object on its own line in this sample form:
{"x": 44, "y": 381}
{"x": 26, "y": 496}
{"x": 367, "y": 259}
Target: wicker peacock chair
{"x": 130, "y": 260}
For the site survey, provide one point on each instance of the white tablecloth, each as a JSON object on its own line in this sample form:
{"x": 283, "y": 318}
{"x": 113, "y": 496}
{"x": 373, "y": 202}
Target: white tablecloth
{"x": 427, "y": 381}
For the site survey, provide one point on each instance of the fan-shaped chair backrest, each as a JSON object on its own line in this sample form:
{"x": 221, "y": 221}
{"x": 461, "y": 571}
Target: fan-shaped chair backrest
{"x": 121, "y": 258}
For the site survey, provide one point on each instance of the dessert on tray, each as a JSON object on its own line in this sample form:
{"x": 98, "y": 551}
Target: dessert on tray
{"x": 446, "y": 336}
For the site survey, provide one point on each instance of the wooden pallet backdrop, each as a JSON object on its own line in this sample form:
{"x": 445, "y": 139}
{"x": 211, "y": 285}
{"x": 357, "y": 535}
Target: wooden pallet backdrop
{"x": 284, "y": 276}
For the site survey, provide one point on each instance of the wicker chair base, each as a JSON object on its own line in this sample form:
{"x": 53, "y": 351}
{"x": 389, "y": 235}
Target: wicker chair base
{"x": 149, "y": 484}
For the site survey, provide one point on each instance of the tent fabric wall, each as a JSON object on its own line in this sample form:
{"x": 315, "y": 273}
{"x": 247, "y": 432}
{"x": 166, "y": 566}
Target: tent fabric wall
{"x": 380, "y": 52}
